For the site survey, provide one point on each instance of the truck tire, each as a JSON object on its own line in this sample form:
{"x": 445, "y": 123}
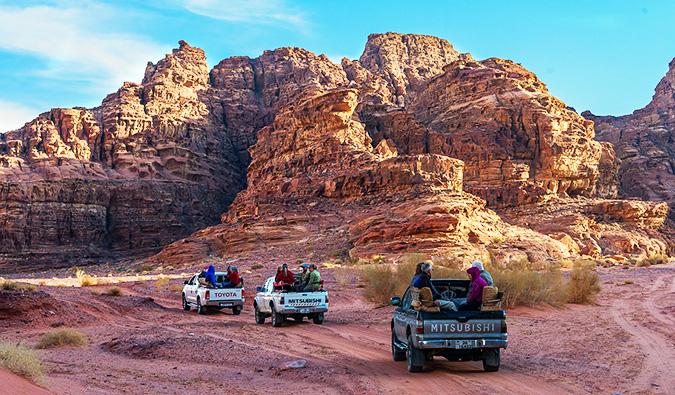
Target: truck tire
{"x": 491, "y": 361}
{"x": 236, "y": 310}
{"x": 277, "y": 319}
{"x": 318, "y": 318}
{"x": 396, "y": 353}
{"x": 186, "y": 306}
{"x": 200, "y": 309}
{"x": 413, "y": 356}
{"x": 259, "y": 316}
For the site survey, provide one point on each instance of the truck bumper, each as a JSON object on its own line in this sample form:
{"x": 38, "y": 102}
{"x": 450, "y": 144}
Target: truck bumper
{"x": 462, "y": 344}
{"x": 303, "y": 310}
{"x": 223, "y": 303}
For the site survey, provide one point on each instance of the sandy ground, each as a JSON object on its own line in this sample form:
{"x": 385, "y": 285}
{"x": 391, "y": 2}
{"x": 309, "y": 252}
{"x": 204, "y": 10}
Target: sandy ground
{"x": 144, "y": 343}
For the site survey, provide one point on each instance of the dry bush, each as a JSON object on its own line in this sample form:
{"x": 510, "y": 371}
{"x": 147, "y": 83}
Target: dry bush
{"x": 175, "y": 288}
{"x": 144, "y": 267}
{"x": 380, "y": 283}
{"x": 627, "y": 282}
{"x": 529, "y": 287}
{"x": 85, "y": 279}
{"x": 62, "y": 337}
{"x": 9, "y": 285}
{"x": 344, "y": 276}
{"x": 114, "y": 291}
{"x": 161, "y": 283}
{"x": 652, "y": 260}
{"x": 256, "y": 266}
{"x": 22, "y": 361}
{"x": 583, "y": 285}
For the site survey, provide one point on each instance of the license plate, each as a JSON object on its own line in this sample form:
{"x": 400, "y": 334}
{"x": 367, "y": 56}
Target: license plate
{"x": 304, "y": 311}
{"x": 463, "y": 344}
{"x": 226, "y": 305}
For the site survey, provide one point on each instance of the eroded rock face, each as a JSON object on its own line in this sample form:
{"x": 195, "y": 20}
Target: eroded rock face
{"x": 645, "y": 143}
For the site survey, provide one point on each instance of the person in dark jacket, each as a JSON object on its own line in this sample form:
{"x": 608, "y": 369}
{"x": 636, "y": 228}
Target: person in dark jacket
{"x": 475, "y": 299}
{"x": 418, "y": 271}
{"x": 210, "y": 276}
{"x": 285, "y": 278}
{"x": 424, "y": 279}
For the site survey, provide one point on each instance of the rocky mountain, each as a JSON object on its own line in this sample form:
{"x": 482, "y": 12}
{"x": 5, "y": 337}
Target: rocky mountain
{"x": 645, "y": 144}
{"x": 414, "y": 147}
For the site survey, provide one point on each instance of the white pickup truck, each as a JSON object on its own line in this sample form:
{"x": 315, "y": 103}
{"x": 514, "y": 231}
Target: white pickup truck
{"x": 203, "y": 298}
{"x": 282, "y": 304}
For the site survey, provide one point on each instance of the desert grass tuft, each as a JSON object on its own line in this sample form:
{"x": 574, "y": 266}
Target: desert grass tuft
{"x": 62, "y": 337}
{"x": 9, "y": 285}
{"x": 379, "y": 283}
{"x": 85, "y": 279}
{"x": 256, "y": 266}
{"x": 114, "y": 291}
{"x": 175, "y": 288}
{"x": 161, "y": 282}
{"x": 657, "y": 259}
{"x": 344, "y": 276}
{"x": 23, "y": 361}
{"x": 583, "y": 285}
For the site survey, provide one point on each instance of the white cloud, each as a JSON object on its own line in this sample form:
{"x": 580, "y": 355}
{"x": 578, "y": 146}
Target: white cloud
{"x": 262, "y": 12}
{"x": 77, "y": 41}
{"x": 14, "y": 115}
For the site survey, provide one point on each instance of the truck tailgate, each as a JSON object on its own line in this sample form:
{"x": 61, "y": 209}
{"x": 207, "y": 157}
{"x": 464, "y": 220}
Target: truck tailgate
{"x": 217, "y": 295}
{"x": 462, "y": 328}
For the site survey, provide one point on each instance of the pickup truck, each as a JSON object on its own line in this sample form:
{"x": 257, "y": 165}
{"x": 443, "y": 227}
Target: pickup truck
{"x": 283, "y": 304}
{"x": 203, "y": 298}
{"x": 417, "y": 336}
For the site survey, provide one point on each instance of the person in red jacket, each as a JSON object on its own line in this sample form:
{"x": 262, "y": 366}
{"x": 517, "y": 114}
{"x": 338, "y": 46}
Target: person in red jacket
{"x": 476, "y": 294}
{"x": 285, "y": 278}
{"x": 232, "y": 278}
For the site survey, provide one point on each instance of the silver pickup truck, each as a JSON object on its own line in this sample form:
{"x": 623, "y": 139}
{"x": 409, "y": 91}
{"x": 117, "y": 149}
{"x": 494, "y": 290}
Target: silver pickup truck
{"x": 418, "y": 336}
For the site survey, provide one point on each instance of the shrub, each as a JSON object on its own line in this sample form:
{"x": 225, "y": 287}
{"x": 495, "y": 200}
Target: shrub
{"x": 652, "y": 260}
{"x": 529, "y": 287}
{"x": 22, "y": 361}
{"x": 380, "y": 283}
{"x": 114, "y": 291}
{"x": 627, "y": 282}
{"x": 256, "y": 266}
{"x": 9, "y": 285}
{"x": 144, "y": 267}
{"x": 85, "y": 279}
{"x": 62, "y": 337}
{"x": 583, "y": 285}
{"x": 343, "y": 276}
{"x": 497, "y": 240}
{"x": 175, "y": 288}
{"x": 161, "y": 283}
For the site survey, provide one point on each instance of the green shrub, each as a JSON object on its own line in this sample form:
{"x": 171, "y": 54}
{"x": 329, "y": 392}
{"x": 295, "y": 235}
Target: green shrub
{"x": 583, "y": 285}
{"x": 23, "y": 361}
{"x": 62, "y": 337}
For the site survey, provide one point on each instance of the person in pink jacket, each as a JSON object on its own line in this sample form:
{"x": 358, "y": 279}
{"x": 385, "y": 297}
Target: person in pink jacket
{"x": 476, "y": 293}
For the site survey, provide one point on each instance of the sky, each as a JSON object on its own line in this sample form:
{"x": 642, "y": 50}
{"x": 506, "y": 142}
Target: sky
{"x": 602, "y": 56}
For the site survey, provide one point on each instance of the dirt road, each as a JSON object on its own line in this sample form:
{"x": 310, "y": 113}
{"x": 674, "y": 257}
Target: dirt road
{"x": 137, "y": 345}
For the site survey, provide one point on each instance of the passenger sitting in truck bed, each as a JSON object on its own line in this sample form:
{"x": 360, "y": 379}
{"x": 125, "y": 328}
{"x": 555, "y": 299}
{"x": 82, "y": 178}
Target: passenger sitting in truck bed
{"x": 232, "y": 278}
{"x": 476, "y": 294}
{"x": 210, "y": 276}
{"x": 314, "y": 282}
{"x": 483, "y": 273}
{"x": 305, "y": 277}
{"x": 285, "y": 278}
{"x": 418, "y": 271}
{"x": 424, "y": 279}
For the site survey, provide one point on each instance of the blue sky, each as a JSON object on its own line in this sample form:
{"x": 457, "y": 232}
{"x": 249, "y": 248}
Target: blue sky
{"x": 603, "y": 56}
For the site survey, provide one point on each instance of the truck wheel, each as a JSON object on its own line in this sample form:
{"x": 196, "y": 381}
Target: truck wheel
{"x": 186, "y": 306}
{"x": 277, "y": 319}
{"x": 491, "y": 361}
{"x": 396, "y": 353}
{"x": 412, "y": 356}
{"x": 200, "y": 309}
{"x": 318, "y": 318}
{"x": 259, "y": 316}
{"x": 236, "y": 310}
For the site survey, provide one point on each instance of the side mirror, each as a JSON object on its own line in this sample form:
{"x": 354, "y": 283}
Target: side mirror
{"x": 185, "y": 282}
{"x": 259, "y": 289}
{"x": 395, "y": 301}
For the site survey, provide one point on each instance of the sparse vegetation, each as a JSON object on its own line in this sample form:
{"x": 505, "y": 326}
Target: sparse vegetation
{"x": 85, "y": 279}
{"x": 380, "y": 283}
{"x": 583, "y": 285}
{"x": 23, "y": 361}
{"x": 256, "y": 266}
{"x": 144, "y": 267}
{"x": 652, "y": 260}
{"x": 10, "y": 285}
{"x": 497, "y": 240}
{"x": 525, "y": 286}
{"x": 114, "y": 291}
{"x": 62, "y": 337}
{"x": 343, "y": 276}
{"x": 161, "y": 282}
{"x": 627, "y": 281}
{"x": 175, "y": 288}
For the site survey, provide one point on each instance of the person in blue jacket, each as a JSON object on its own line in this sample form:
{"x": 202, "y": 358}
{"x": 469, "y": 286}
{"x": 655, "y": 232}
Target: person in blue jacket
{"x": 210, "y": 276}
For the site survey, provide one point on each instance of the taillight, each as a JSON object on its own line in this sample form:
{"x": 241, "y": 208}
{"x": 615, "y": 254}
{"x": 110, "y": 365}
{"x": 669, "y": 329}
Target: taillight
{"x": 503, "y": 326}
{"x": 242, "y": 293}
{"x": 207, "y": 295}
{"x": 326, "y": 299}
{"x": 281, "y": 301}
{"x": 420, "y": 331}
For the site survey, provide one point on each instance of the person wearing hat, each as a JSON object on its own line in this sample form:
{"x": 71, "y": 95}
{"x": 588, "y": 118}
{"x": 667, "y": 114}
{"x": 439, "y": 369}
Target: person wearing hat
{"x": 305, "y": 277}
{"x": 285, "y": 278}
{"x": 314, "y": 281}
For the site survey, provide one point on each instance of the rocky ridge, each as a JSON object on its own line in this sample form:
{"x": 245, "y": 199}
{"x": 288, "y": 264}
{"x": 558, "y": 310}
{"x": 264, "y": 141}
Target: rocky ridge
{"x": 376, "y": 154}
